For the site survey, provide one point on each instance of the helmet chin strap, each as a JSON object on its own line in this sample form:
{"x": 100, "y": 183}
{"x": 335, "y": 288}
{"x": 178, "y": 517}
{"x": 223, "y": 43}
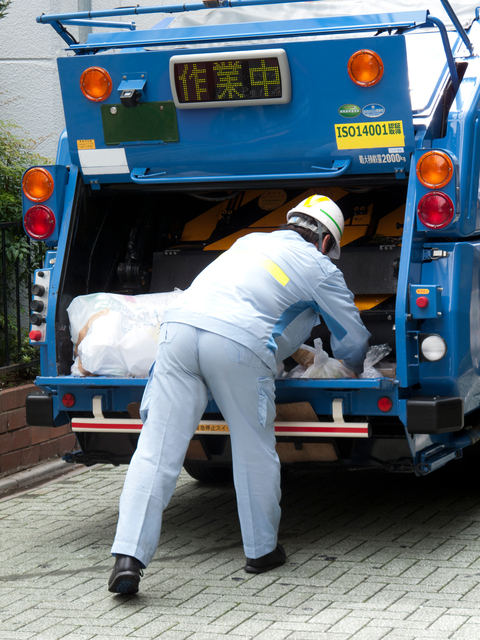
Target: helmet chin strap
{"x": 320, "y": 237}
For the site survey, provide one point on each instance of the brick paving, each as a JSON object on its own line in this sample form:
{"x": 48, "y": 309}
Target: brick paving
{"x": 370, "y": 557}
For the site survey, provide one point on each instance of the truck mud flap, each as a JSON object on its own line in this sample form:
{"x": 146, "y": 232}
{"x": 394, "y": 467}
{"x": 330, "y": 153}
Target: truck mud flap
{"x": 434, "y": 414}
{"x": 39, "y": 410}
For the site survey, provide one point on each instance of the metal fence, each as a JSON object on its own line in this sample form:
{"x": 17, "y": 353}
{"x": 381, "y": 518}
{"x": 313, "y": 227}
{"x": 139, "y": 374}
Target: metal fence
{"x": 14, "y": 316}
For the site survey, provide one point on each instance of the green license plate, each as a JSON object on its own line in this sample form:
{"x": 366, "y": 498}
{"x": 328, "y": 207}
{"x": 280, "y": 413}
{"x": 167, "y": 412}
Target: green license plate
{"x": 148, "y": 121}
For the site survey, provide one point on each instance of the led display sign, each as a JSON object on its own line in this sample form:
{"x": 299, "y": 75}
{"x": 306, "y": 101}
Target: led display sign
{"x": 241, "y": 78}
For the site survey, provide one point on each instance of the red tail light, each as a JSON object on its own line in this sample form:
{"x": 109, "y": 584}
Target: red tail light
{"x": 39, "y": 222}
{"x": 435, "y": 210}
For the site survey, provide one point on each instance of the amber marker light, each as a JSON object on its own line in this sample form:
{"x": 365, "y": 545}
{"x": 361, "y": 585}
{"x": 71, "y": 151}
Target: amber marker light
{"x": 365, "y": 68}
{"x": 435, "y": 169}
{"x": 37, "y": 184}
{"x": 96, "y": 84}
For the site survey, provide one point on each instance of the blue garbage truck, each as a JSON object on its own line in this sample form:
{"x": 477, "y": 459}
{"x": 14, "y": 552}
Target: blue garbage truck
{"x": 215, "y": 121}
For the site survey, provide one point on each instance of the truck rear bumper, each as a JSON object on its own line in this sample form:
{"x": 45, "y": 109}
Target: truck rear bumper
{"x": 356, "y": 399}
{"x": 336, "y": 428}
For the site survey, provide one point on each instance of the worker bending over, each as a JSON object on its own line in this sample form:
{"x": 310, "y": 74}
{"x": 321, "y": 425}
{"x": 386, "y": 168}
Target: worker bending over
{"x": 251, "y": 308}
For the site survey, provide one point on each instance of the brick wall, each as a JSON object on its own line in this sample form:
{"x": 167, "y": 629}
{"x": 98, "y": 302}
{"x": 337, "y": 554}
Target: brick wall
{"x": 22, "y": 446}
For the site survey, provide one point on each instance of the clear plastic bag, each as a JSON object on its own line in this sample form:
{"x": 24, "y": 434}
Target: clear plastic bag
{"x": 374, "y": 355}
{"x": 325, "y": 367}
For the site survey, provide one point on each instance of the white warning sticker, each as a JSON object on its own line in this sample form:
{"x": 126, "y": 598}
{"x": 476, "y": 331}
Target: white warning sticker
{"x": 99, "y": 162}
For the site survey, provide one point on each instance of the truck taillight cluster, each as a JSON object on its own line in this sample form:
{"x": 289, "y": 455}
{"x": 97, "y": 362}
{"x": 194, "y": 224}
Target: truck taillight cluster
{"x": 38, "y": 186}
{"x": 434, "y": 171}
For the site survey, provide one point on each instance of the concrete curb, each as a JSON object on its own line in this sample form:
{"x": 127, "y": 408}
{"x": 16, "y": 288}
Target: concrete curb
{"x": 40, "y": 473}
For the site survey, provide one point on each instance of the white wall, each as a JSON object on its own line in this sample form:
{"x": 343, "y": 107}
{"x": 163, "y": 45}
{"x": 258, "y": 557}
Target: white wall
{"x": 29, "y": 88}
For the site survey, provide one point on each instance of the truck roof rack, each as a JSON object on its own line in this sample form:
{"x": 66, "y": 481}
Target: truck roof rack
{"x": 399, "y": 22}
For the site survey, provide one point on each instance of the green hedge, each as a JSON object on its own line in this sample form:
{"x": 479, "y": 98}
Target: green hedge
{"x": 16, "y": 155}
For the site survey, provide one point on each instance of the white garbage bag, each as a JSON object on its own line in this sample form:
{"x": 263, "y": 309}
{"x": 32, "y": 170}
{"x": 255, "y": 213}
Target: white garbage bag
{"x": 325, "y": 367}
{"x": 296, "y": 372}
{"x": 116, "y": 335}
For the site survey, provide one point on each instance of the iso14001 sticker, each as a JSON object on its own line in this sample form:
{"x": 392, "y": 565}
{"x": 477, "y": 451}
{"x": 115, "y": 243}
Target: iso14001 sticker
{"x": 366, "y": 135}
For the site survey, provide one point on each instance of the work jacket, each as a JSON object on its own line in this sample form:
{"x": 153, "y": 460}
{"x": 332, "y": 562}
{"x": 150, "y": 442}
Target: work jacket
{"x": 266, "y": 292}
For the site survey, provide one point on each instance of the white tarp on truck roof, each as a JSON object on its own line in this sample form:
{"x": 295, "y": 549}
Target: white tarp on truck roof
{"x": 465, "y": 11}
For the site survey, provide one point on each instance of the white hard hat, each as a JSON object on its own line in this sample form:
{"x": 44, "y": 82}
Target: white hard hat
{"x": 325, "y": 212}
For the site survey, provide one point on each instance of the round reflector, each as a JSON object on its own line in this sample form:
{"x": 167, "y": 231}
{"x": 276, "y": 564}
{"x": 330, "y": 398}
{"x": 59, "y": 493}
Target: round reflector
{"x": 39, "y": 222}
{"x": 433, "y": 348}
{"x": 435, "y": 210}
{"x": 37, "y": 184}
{"x": 435, "y": 169}
{"x": 68, "y": 400}
{"x": 96, "y": 84}
{"x": 365, "y": 68}
{"x": 385, "y": 404}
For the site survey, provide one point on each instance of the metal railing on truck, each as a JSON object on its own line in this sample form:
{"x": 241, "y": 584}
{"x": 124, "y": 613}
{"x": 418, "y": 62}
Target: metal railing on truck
{"x": 11, "y": 310}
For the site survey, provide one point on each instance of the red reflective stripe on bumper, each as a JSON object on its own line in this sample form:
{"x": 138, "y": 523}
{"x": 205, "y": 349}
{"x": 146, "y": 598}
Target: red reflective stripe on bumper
{"x": 92, "y": 425}
{"x": 326, "y": 430}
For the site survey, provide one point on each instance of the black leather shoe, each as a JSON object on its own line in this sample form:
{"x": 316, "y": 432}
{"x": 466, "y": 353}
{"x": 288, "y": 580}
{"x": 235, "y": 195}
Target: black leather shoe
{"x": 270, "y": 561}
{"x": 126, "y": 575}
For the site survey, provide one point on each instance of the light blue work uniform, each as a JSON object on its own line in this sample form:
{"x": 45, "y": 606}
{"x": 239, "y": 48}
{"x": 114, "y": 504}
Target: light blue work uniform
{"x": 251, "y": 308}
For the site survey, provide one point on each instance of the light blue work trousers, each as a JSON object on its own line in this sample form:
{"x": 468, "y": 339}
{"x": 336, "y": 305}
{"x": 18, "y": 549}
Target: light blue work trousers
{"x": 190, "y": 362}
